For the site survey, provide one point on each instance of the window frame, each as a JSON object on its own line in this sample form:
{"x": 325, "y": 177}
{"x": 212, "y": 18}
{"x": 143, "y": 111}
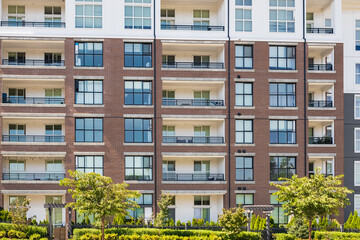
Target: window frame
{"x": 244, "y": 131}
{"x": 93, "y": 168}
{"x": 243, "y": 95}
{"x": 84, "y": 92}
{"x": 93, "y": 130}
{"x": 278, "y": 205}
{"x": 357, "y": 74}
{"x": 356, "y": 150}
{"x": 285, "y": 21}
{"x": 357, "y": 30}
{"x": 355, "y": 107}
{"x": 244, "y": 57}
{"x": 286, "y": 95}
{"x": 244, "y": 199}
{"x": 282, "y": 58}
{"x": 134, "y": 168}
{"x": 278, "y": 168}
{"x": 242, "y": 21}
{"x": 134, "y": 213}
{"x": 76, "y": 48}
{"x": 144, "y": 56}
{"x": 133, "y": 130}
{"x": 142, "y": 93}
{"x": 243, "y": 168}
{"x": 134, "y": 5}
{"x": 287, "y": 131}
{"x": 84, "y": 16}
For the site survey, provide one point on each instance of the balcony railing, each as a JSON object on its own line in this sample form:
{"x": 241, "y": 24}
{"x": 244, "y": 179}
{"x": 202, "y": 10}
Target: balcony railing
{"x": 320, "y": 104}
{"x": 33, "y": 62}
{"x": 320, "y": 67}
{"x": 34, "y": 176}
{"x": 193, "y": 177}
{"x": 325, "y": 174}
{"x": 192, "y": 27}
{"x": 320, "y": 30}
{"x": 33, "y": 100}
{"x": 32, "y": 138}
{"x": 32, "y": 24}
{"x": 215, "y": 65}
{"x": 192, "y": 102}
{"x": 193, "y": 140}
{"x": 320, "y": 140}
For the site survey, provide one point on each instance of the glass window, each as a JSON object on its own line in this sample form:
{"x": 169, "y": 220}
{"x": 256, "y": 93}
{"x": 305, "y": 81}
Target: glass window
{"x": 16, "y": 166}
{"x": 282, "y": 132}
{"x": 244, "y": 131}
{"x": 16, "y": 14}
{"x": 167, "y": 18}
{"x": 145, "y": 201}
{"x": 138, "y": 92}
{"x": 243, "y": 16}
{"x": 88, "y": 14}
{"x": 201, "y": 19}
{"x": 356, "y": 202}
{"x": 282, "y": 167}
{"x": 88, "y": 129}
{"x": 243, "y": 57}
{"x": 357, "y": 107}
{"x": 90, "y": 164}
{"x": 282, "y": 95}
{"x": 201, "y": 209}
{"x": 357, "y": 73}
{"x": 57, "y": 217}
{"x": 88, "y": 54}
{"x": 138, "y": 55}
{"x": 279, "y": 214}
{"x": 357, "y": 35}
{"x": 244, "y": 199}
{"x": 282, "y": 58}
{"x": 357, "y": 140}
{"x": 244, "y": 169}
{"x": 138, "y": 168}
{"x": 244, "y": 94}
{"x": 282, "y": 17}
{"x": 54, "y": 166}
{"x": 13, "y": 199}
{"x": 138, "y": 14}
{"x": 138, "y": 130}
{"x": 88, "y": 92}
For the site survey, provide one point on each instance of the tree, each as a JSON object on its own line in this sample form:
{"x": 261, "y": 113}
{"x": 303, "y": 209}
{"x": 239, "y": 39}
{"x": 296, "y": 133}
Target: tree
{"x": 18, "y": 212}
{"x": 98, "y": 195}
{"x": 232, "y": 220}
{"x": 162, "y": 218}
{"x": 311, "y": 198}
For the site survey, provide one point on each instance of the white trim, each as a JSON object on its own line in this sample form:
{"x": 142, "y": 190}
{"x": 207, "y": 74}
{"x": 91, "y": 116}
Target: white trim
{"x": 88, "y": 115}
{"x": 355, "y": 96}
{"x": 89, "y": 153}
{"x": 33, "y": 192}
{"x": 138, "y": 115}
{"x": 245, "y": 191}
{"x": 89, "y": 77}
{"x": 138, "y": 78}
{"x": 26, "y": 154}
{"x": 195, "y": 192}
{"x": 355, "y": 168}
{"x": 138, "y": 153}
{"x": 356, "y": 129}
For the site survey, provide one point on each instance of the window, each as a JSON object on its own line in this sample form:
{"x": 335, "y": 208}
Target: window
{"x": 52, "y": 58}
{"x": 168, "y": 131}
{"x": 17, "y": 58}
{"x": 88, "y": 129}
{"x": 138, "y": 14}
{"x": 328, "y": 22}
{"x": 244, "y": 131}
{"x": 243, "y": 56}
{"x": 357, "y": 107}
{"x": 138, "y": 168}
{"x": 282, "y": 58}
{"x": 138, "y": 130}
{"x": 357, "y": 35}
{"x": 168, "y": 60}
{"x": 282, "y": 95}
{"x": 145, "y": 201}
{"x": 244, "y": 94}
{"x": 201, "y": 18}
{"x": 17, "y": 129}
{"x": 282, "y": 167}
{"x": 13, "y": 199}
{"x": 54, "y": 166}
{"x": 201, "y": 131}
{"x": 138, "y": 55}
{"x": 357, "y": 140}
{"x": 169, "y": 171}
{"x": 52, "y": 16}
{"x": 138, "y": 93}
{"x": 243, "y": 18}
{"x": 202, "y": 166}
{"x": 16, "y": 166}
{"x": 282, "y": 15}
{"x": 357, "y": 73}
{"x": 88, "y": 14}
{"x": 202, "y": 208}
{"x": 88, "y": 54}
{"x": 282, "y": 132}
{"x": 166, "y": 94}
{"x": 171, "y": 209}
{"x": 202, "y": 61}
{"x": 244, "y": 169}
{"x": 356, "y": 202}
{"x": 279, "y": 214}
{"x": 244, "y": 199}
{"x": 90, "y": 164}
{"x": 88, "y": 92}
{"x": 167, "y": 18}
{"x": 16, "y": 14}
{"x": 57, "y": 212}
{"x": 53, "y": 133}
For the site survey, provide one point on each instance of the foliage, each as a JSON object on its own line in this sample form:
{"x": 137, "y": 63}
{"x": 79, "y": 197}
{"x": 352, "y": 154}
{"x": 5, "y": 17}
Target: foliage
{"x": 298, "y": 228}
{"x": 44, "y": 222}
{"x": 2, "y": 234}
{"x": 98, "y": 195}
{"x": 162, "y": 218}
{"x": 353, "y": 221}
{"x": 284, "y": 236}
{"x": 231, "y": 220}
{"x": 311, "y": 198}
{"x": 35, "y": 236}
{"x": 336, "y": 235}
{"x": 18, "y": 213}
{"x": 326, "y": 224}
{"x": 28, "y": 230}
{"x": 5, "y": 216}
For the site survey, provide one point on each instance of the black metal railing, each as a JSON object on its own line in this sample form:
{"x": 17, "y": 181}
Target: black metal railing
{"x": 33, "y": 100}
{"x": 193, "y": 177}
{"x": 192, "y": 27}
{"x": 320, "y": 140}
{"x": 320, "y": 30}
{"x": 34, "y": 176}
{"x": 193, "y": 140}
{"x": 32, "y": 138}
{"x": 320, "y": 104}
{"x": 215, "y": 65}
{"x": 191, "y": 102}
{"x": 32, "y": 24}
{"x": 320, "y": 67}
{"x": 33, "y": 62}
{"x": 325, "y": 174}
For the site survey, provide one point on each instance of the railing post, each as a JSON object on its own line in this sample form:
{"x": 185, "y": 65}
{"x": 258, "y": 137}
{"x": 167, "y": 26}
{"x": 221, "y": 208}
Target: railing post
{"x": 186, "y": 226}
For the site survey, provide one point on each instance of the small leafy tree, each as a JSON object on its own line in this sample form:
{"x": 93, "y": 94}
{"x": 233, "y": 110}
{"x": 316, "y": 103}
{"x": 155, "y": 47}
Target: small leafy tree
{"x": 18, "y": 212}
{"x": 232, "y": 220}
{"x": 311, "y": 198}
{"x": 162, "y": 218}
{"x": 98, "y": 195}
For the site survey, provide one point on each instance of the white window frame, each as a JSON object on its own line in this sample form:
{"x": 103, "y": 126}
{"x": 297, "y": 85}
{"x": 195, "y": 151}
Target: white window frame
{"x": 53, "y": 16}
{"x": 167, "y": 19}
{"x": 286, "y": 9}
{"x": 356, "y": 96}
{"x": 92, "y": 3}
{"x": 356, "y": 198}
{"x": 357, "y": 73}
{"x": 133, "y": 17}
{"x": 243, "y": 20}
{"x": 357, "y": 28}
{"x": 356, "y": 129}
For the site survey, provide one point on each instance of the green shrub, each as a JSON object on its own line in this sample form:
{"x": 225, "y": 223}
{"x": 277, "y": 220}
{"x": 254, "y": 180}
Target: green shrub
{"x": 336, "y": 235}
{"x": 29, "y": 230}
{"x": 12, "y": 234}
{"x": 2, "y": 234}
{"x": 248, "y": 236}
{"x": 43, "y": 239}
{"x": 299, "y": 228}
{"x": 20, "y": 234}
{"x": 35, "y": 236}
{"x": 284, "y": 236}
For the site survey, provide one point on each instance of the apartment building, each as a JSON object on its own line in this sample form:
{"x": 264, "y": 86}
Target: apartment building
{"x": 207, "y": 100}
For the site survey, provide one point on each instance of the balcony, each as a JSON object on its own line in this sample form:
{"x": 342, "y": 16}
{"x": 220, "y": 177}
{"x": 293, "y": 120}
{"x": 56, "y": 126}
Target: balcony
{"x": 33, "y": 100}
{"x": 320, "y": 104}
{"x": 320, "y": 67}
{"x": 325, "y": 163}
{"x": 321, "y": 132}
{"x": 320, "y": 30}
{"x": 192, "y": 27}
{"x": 32, "y": 24}
{"x": 321, "y": 95}
{"x": 320, "y": 140}
{"x": 34, "y": 176}
{"x": 32, "y": 138}
{"x": 33, "y": 62}
{"x": 191, "y": 102}
{"x": 214, "y": 65}
{"x": 193, "y": 177}
{"x": 320, "y": 58}
{"x": 193, "y": 140}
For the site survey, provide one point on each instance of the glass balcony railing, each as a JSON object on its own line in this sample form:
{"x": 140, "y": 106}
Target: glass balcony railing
{"x": 193, "y": 177}
{"x": 32, "y": 138}
{"x": 193, "y": 140}
{"x": 34, "y": 176}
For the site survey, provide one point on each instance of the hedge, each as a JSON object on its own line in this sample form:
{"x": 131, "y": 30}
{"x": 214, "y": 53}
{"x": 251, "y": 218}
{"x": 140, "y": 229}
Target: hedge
{"x": 336, "y": 235}
{"x": 284, "y": 236}
{"x": 28, "y": 230}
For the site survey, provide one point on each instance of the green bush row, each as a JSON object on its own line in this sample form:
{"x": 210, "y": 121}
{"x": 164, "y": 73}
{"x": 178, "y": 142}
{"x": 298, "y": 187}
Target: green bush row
{"x": 27, "y": 230}
{"x": 336, "y": 235}
{"x": 284, "y": 236}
